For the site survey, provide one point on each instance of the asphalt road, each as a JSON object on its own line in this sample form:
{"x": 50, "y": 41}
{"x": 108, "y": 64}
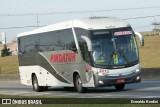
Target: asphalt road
{"x": 145, "y": 89}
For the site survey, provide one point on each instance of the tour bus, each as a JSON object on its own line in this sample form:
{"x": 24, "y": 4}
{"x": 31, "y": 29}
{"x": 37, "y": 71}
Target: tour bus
{"x": 82, "y": 53}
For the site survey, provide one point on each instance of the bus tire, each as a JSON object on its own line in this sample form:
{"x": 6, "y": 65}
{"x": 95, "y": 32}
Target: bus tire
{"x": 120, "y": 86}
{"x": 35, "y": 84}
{"x": 78, "y": 84}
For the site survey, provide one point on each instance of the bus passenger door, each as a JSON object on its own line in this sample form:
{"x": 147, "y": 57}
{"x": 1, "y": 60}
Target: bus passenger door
{"x": 86, "y": 60}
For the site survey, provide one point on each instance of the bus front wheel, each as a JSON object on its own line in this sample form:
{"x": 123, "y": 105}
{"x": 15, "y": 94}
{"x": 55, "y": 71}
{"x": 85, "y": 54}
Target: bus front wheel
{"x": 78, "y": 84}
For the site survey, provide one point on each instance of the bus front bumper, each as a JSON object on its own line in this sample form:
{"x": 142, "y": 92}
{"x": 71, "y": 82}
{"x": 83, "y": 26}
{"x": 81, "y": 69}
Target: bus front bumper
{"x": 102, "y": 81}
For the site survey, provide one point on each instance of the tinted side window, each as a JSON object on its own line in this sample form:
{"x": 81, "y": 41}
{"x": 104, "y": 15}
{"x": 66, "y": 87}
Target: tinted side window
{"x": 82, "y": 44}
{"x": 57, "y": 40}
{"x": 85, "y": 53}
{"x": 22, "y": 45}
{"x": 49, "y": 41}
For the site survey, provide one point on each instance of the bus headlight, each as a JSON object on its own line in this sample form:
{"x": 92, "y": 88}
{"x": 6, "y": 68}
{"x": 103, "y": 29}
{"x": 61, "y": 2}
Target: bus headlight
{"x": 137, "y": 70}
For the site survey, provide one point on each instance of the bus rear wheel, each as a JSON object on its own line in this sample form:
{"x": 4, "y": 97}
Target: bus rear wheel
{"x": 78, "y": 84}
{"x": 35, "y": 84}
{"x": 120, "y": 86}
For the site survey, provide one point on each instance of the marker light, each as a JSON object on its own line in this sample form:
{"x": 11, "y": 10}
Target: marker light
{"x": 87, "y": 68}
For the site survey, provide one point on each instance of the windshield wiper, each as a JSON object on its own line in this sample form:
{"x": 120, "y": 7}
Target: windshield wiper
{"x": 110, "y": 59}
{"x": 124, "y": 56}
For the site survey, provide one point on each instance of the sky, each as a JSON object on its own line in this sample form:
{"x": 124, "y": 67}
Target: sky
{"x": 12, "y": 7}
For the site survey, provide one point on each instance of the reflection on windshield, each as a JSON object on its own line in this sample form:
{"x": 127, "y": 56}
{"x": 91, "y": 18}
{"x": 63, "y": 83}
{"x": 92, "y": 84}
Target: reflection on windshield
{"x": 113, "y": 48}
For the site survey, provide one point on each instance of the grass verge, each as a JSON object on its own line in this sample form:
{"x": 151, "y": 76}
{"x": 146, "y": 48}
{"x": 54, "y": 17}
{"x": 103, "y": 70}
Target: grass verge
{"x": 9, "y": 65}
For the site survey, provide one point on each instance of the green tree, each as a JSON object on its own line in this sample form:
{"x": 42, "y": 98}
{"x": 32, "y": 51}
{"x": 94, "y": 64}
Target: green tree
{"x": 5, "y": 51}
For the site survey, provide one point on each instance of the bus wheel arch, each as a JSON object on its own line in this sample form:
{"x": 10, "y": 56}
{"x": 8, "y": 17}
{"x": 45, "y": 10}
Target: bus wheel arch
{"x": 74, "y": 76}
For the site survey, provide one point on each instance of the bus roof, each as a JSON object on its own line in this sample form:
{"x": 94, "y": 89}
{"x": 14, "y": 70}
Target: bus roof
{"x": 92, "y": 23}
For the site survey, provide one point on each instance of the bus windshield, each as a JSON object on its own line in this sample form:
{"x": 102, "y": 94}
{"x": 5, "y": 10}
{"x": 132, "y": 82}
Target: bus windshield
{"x": 114, "y": 48}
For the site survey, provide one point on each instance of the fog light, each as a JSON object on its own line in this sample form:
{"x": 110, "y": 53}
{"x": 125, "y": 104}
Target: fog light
{"x": 101, "y": 82}
{"x": 138, "y": 77}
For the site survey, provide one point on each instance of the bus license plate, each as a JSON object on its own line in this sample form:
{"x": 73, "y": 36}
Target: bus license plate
{"x": 120, "y": 80}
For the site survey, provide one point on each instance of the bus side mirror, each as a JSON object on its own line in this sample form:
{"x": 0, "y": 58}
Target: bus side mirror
{"x": 88, "y": 41}
{"x": 140, "y": 37}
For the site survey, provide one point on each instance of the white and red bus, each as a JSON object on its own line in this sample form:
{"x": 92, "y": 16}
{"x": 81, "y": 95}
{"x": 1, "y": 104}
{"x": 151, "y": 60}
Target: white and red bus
{"x": 89, "y": 52}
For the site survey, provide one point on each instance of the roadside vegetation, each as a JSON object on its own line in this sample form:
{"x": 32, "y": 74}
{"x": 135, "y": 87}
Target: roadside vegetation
{"x": 149, "y": 54}
{"x": 9, "y": 65}
{"x": 5, "y": 51}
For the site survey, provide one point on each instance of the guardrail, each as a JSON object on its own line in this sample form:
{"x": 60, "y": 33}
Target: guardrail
{"x": 150, "y": 73}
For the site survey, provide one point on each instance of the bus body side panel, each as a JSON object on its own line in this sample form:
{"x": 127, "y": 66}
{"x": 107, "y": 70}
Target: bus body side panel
{"x": 44, "y": 77}
{"x": 25, "y": 74}
{"x": 37, "y": 64}
{"x": 65, "y": 63}
{"x": 50, "y": 73}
